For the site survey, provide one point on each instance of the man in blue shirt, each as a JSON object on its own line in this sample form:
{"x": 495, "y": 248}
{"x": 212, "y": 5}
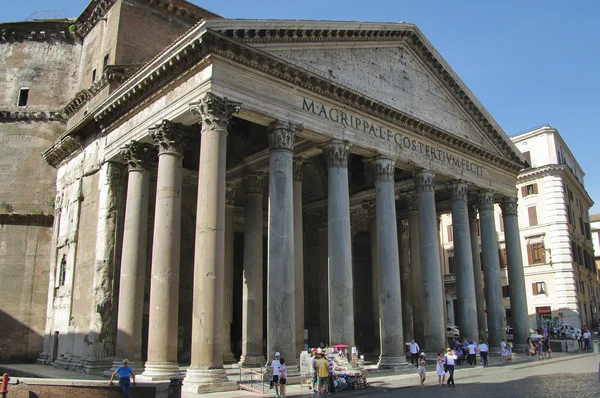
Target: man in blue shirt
{"x": 124, "y": 372}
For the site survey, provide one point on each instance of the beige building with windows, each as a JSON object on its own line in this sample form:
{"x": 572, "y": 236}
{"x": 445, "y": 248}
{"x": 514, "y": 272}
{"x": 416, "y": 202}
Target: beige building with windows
{"x": 556, "y": 237}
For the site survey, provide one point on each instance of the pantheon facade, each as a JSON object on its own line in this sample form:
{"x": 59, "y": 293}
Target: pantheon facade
{"x": 260, "y": 178}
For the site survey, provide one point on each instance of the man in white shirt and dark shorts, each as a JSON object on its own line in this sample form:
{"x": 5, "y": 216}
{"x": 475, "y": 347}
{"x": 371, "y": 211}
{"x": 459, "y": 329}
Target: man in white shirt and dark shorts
{"x": 275, "y": 365}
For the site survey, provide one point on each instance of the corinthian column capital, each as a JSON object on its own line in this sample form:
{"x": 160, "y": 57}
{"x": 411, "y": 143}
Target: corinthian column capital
{"x": 384, "y": 168}
{"x": 458, "y": 190}
{"x": 230, "y": 191}
{"x": 404, "y": 228}
{"x": 139, "y": 156}
{"x": 170, "y": 137}
{"x": 299, "y": 166}
{"x": 473, "y": 214}
{"x": 371, "y": 208}
{"x": 281, "y": 135}
{"x": 254, "y": 183}
{"x": 215, "y": 112}
{"x": 509, "y": 207}
{"x": 412, "y": 202}
{"x": 486, "y": 200}
{"x": 337, "y": 153}
{"x": 424, "y": 180}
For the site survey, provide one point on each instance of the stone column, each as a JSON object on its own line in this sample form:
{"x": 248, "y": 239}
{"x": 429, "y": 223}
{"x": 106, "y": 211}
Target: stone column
{"x": 516, "y": 277}
{"x": 140, "y": 158}
{"x": 101, "y": 337}
{"x": 228, "y": 356}
{"x": 477, "y": 274}
{"x": 323, "y": 276}
{"x": 252, "y": 291}
{"x": 281, "y": 314}
{"x": 491, "y": 270}
{"x": 432, "y": 285}
{"x": 406, "y": 281}
{"x": 371, "y": 208}
{"x": 390, "y": 306}
{"x": 170, "y": 139}
{"x": 299, "y": 165}
{"x": 206, "y": 368}
{"x": 415, "y": 267}
{"x": 341, "y": 308}
{"x": 463, "y": 261}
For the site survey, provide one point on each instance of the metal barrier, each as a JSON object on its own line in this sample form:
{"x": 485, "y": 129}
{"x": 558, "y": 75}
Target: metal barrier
{"x": 253, "y": 380}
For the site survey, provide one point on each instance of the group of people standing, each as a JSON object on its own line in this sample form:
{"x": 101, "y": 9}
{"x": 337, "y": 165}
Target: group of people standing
{"x": 278, "y": 375}
{"x": 447, "y": 360}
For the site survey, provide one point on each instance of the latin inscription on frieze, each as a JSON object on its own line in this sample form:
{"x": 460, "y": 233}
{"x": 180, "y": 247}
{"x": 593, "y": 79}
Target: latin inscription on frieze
{"x": 377, "y": 131}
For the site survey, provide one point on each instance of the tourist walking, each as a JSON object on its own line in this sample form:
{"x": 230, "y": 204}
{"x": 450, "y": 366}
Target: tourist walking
{"x": 275, "y": 366}
{"x": 472, "y": 347}
{"x": 282, "y": 377}
{"x": 505, "y": 350}
{"x": 421, "y": 363}
{"x": 483, "y": 351}
{"x": 313, "y": 368}
{"x": 440, "y": 368}
{"x": 414, "y": 351}
{"x": 587, "y": 338}
{"x": 540, "y": 350}
{"x": 579, "y": 336}
{"x": 547, "y": 349}
{"x": 124, "y": 373}
{"x": 450, "y": 360}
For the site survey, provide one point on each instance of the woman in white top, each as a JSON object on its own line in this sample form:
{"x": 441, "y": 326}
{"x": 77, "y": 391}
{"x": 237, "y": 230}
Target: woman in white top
{"x": 450, "y": 359}
{"x": 439, "y": 369}
{"x": 505, "y": 350}
{"x": 421, "y": 362}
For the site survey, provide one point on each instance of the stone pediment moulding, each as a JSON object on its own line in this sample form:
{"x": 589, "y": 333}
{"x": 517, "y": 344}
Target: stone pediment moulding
{"x": 139, "y": 88}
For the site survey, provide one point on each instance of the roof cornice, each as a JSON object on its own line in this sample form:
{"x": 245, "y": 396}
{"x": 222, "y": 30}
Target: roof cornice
{"x": 98, "y": 8}
{"x": 40, "y": 31}
{"x": 200, "y": 43}
{"x": 31, "y": 115}
{"x": 532, "y": 174}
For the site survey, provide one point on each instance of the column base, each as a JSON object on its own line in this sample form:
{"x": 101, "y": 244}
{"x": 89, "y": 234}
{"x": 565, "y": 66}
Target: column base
{"x": 386, "y": 362}
{"x": 229, "y": 358}
{"x": 200, "y": 381}
{"x": 495, "y": 350}
{"x": 252, "y": 361}
{"x": 137, "y": 367}
{"x": 159, "y": 371}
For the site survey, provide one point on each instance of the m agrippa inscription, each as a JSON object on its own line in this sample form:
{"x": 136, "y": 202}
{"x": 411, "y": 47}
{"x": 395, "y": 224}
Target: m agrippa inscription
{"x": 378, "y": 131}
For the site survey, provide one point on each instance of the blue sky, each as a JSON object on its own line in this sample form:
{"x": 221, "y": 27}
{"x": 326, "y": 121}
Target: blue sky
{"x": 529, "y": 62}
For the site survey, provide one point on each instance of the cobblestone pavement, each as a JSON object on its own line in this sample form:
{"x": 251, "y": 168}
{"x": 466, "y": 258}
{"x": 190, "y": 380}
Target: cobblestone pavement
{"x": 573, "y": 376}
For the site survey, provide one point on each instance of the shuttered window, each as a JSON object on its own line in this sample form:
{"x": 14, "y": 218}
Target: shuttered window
{"x": 532, "y": 211}
{"x": 538, "y": 288}
{"x": 449, "y": 233}
{"x": 451, "y": 269}
{"x": 536, "y": 253}
{"x": 530, "y": 189}
{"x": 505, "y": 291}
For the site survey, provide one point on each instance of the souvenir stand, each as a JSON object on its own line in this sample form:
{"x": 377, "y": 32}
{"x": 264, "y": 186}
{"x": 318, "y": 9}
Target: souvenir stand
{"x": 346, "y": 375}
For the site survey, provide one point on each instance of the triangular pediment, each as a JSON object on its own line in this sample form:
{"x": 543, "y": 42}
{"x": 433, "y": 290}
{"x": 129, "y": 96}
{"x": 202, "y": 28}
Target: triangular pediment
{"x": 393, "y": 76}
{"x": 390, "y": 63}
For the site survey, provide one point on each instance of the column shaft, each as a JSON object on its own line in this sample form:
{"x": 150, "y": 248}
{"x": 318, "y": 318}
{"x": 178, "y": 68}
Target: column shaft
{"x": 406, "y": 281}
{"x": 252, "y": 302}
{"x": 435, "y": 329}
{"x": 463, "y": 261}
{"x": 164, "y": 285}
{"x": 281, "y": 314}
{"x": 371, "y": 208}
{"x": 477, "y": 274}
{"x": 341, "y": 308}
{"x": 139, "y": 157}
{"x": 390, "y": 306}
{"x": 516, "y": 276}
{"x": 491, "y": 270}
{"x": 415, "y": 267}
{"x": 228, "y": 356}
{"x": 206, "y": 366}
{"x": 299, "y": 165}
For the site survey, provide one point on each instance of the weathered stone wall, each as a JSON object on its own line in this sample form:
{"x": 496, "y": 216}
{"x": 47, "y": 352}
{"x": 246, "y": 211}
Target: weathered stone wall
{"x": 42, "y": 57}
{"x": 24, "y": 259}
{"x": 47, "y": 66}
